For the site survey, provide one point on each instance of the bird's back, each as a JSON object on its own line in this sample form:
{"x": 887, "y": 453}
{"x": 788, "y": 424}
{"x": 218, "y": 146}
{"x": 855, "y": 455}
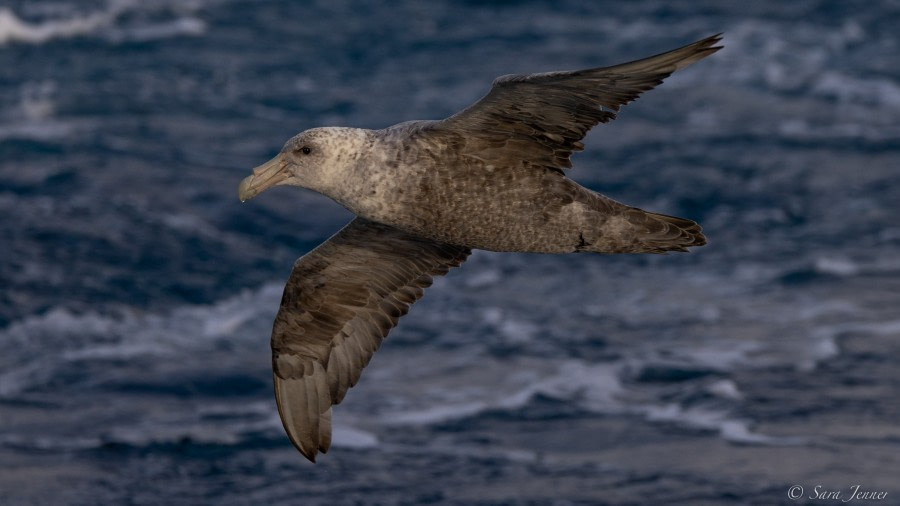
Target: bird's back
{"x": 449, "y": 189}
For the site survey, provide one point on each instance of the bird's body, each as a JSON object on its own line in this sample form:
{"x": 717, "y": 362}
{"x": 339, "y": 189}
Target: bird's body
{"x": 438, "y": 184}
{"x": 426, "y": 193}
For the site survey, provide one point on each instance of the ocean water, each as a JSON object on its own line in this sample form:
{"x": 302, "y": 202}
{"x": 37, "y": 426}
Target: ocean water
{"x": 138, "y": 293}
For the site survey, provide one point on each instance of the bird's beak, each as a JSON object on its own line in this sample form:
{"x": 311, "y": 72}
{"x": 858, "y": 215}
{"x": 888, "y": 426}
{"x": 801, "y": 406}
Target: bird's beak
{"x": 267, "y": 175}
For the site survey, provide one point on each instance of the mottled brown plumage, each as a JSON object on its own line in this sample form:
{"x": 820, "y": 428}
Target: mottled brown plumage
{"x": 426, "y": 193}
{"x": 339, "y": 304}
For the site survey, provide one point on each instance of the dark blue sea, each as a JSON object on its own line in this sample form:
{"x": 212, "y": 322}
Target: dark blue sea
{"x": 137, "y": 293}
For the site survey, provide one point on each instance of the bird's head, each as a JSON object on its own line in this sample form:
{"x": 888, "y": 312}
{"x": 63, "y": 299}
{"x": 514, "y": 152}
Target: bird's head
{"x": 316, "y": 159}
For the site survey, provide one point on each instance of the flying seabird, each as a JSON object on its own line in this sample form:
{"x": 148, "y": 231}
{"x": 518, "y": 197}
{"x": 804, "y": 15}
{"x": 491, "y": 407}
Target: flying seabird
{"x": 425, "y": 194}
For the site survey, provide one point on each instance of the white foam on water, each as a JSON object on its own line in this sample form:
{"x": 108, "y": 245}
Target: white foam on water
{"x": 343, "y": 436}
{"x": 39, "y": 348}
{"x": 158, "y": 430}
{"x": 725, "y": 389}
{"x": 730, "y": 429}
{"x": 880, "y": 92}
{"x": 596, "y": 388}
{"x": 14, "y": 29}
{"x": 883, "y": 328}
{"x": 484, "y": 278}
{"x": 738, "y": 431}
{"x": 804, "y": 129}
{"x": 807, "y": 94}
{"x": 40, "y": 345}
{"x": 35, "y": 114}
{"x": 189, "y": 223}
{"x": 187, "y": 26}
{"x": 465, "y": 383}
{"x": 449, "y": 391}
{"x": 721, "y": 355}
{"x": 48, "y": 442}
{"x": 229, "y": 424}
{"x": 444, "y": 413}
{"x": 106, "y": 23}
{"x": 41, "y": 131}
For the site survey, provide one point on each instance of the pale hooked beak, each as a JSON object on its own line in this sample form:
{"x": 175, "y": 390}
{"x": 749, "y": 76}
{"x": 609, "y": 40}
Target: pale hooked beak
{"x": 265, "y": 176}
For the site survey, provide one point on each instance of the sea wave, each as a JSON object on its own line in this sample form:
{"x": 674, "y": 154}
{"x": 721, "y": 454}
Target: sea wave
{"x": 15, "y": 29}
{"x": 110, "y": 23}
{"x": 44, "y": 348}
{"x": 513, "y": 386}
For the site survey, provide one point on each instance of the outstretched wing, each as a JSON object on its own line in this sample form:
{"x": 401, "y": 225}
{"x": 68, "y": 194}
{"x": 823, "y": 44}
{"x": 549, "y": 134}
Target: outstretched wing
{"x": 542, "y": 118}
{"x": 339, "y": 304}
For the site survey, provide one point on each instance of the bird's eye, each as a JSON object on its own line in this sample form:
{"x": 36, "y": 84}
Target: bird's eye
{"x": 305, "y": 150}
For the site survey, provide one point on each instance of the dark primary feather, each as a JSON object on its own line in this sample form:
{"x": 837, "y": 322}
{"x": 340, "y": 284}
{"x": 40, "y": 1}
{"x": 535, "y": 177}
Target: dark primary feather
{"x": 543, "y": 117}
{"x": 340, "y": 302}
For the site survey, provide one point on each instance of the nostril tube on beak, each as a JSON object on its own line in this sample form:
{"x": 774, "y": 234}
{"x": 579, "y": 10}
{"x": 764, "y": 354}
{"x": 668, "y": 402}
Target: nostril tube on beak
{"x": 265, "y": 176}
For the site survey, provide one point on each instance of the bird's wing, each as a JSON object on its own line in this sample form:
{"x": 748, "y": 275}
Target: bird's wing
{"x": 339, "y": 304}
{"x": 542, "y": 118}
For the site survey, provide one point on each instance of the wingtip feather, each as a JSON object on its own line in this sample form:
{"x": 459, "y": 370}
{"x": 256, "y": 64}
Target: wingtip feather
{"x": 297, "y": 403}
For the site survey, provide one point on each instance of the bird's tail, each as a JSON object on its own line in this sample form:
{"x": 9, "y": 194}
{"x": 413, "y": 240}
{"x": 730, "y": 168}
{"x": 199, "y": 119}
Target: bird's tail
{"x": 633, "y": 230}
{"x": 661, "y": 233}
